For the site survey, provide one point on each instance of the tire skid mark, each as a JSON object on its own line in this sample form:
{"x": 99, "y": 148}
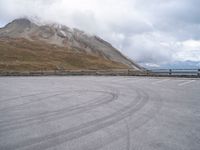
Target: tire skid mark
{"x": 60, "y": 137}
{"x": 24, "y": 96}
{"x": 134, "y": 122}
{"x": 29, "y": 101}
{"x": 44, "y": 98}
{"x": 17, "y": 123}
{"x": 20, "y": 106}
{"x": 43, "y": 114}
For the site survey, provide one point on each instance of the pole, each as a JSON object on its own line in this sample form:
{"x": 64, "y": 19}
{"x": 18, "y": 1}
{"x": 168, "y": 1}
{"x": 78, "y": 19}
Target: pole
{"x": 170, "y": 72}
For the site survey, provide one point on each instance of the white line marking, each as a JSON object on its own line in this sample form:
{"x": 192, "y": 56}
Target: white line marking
{"x": 160, "y": 81}
{"x": 185, "y": 83}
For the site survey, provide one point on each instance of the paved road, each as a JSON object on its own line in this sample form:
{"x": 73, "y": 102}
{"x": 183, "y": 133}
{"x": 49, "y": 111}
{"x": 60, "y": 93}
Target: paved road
{"x": 105, "y": 113}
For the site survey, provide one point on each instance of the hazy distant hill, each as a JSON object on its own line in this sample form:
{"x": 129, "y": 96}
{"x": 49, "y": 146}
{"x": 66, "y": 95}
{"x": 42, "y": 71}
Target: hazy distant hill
{"x": 25, "y": 45}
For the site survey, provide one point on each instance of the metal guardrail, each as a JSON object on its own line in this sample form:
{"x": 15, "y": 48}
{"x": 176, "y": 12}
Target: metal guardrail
{"x": 114, "y": 72}
{"x": 176, "y": 72}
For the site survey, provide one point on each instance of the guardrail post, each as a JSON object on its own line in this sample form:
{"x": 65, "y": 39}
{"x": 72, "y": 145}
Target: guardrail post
{"x": 170, "y": 72}
{"x": 198, "y": 74}
{"x": 148, "y": 72}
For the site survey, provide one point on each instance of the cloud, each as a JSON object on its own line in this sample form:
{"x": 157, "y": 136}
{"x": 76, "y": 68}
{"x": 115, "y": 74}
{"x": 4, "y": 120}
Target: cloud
{"x": 189, "y": 51}
{"x": 151, "y": 32}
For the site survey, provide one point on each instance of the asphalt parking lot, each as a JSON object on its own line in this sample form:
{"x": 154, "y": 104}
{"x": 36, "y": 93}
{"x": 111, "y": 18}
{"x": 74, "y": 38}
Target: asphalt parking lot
{"x": 106, "y": 113}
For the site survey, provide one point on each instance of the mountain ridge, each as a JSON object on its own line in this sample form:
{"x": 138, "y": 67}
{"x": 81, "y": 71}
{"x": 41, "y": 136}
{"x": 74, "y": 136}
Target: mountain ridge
{"x": 65, "y": 37}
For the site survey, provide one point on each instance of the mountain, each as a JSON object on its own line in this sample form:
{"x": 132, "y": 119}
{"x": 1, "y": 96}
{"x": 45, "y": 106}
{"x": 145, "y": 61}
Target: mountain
{"x": 182, "y": 65}
{"x": 173, "y": 65}
{"x": 25, "y": 45}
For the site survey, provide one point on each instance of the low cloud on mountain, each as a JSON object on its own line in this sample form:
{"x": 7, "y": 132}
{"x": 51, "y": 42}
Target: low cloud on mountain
{"x": 152, "y": 32}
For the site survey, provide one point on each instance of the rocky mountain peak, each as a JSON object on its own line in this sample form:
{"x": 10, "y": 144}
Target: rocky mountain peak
{"x": 21, "y": 22}
{"x": 64, "y": 36}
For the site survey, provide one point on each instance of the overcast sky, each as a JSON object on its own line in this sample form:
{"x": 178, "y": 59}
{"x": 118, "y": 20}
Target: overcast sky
{"x": 152, "y": 32}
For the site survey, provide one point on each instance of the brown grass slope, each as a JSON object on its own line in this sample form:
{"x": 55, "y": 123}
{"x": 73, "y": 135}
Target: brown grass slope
{"x": 24, "y": 55}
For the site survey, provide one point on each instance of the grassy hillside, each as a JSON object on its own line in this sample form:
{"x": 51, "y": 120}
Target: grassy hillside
{"x": 25, "y": 55}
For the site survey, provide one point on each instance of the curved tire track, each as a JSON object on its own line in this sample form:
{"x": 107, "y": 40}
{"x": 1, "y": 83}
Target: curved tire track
{"x": 60, "y": 137}
{"x": 20, "y": 122}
